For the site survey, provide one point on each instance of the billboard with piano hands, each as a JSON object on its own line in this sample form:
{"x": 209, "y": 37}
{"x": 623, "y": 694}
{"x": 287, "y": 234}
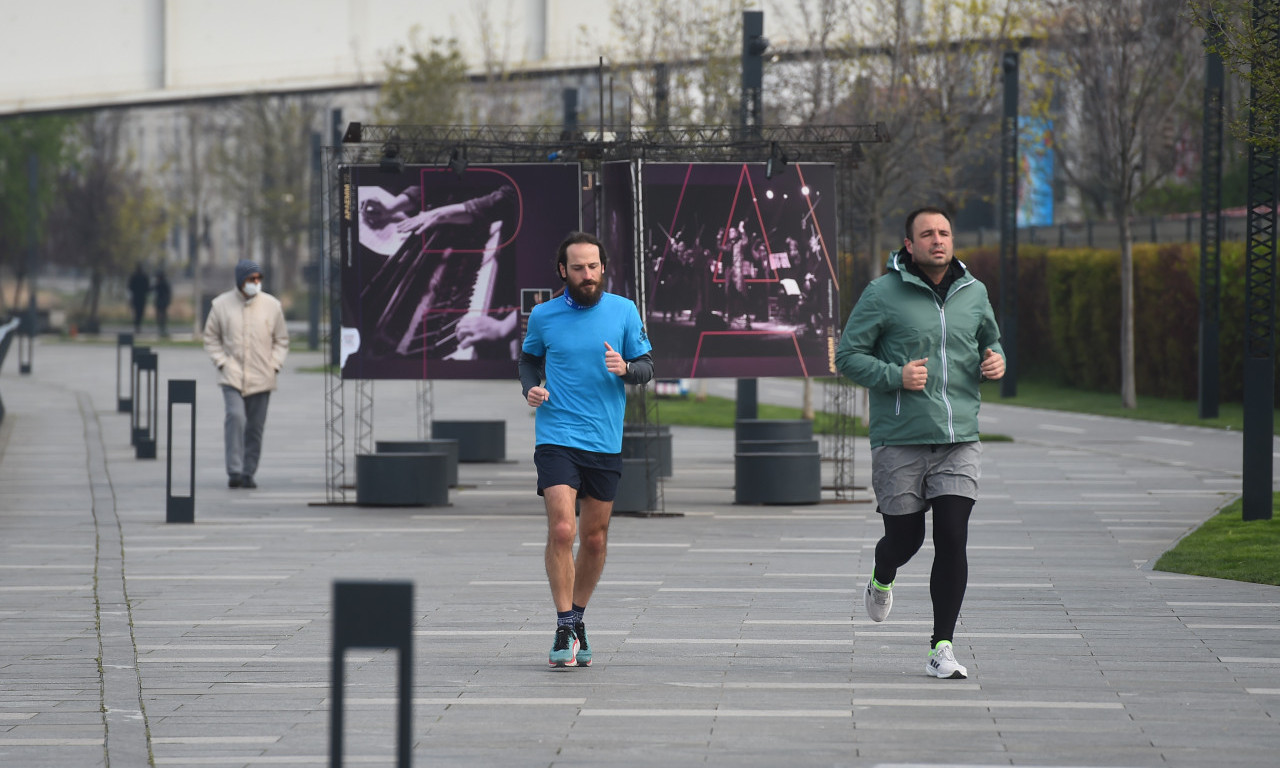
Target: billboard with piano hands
{"x": 440, "y": 270}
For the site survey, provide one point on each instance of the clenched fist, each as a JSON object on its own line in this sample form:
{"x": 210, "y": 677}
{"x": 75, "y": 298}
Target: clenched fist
{"x": 914, "y": 375}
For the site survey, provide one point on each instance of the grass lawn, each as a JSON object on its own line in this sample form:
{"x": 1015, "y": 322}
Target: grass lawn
{"x": 722, "y": 412}
{"x": 1227, "y": 547}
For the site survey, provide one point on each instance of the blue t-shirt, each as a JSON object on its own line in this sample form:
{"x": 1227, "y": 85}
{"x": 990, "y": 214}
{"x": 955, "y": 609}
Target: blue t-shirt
{"x": 586, "y": 403}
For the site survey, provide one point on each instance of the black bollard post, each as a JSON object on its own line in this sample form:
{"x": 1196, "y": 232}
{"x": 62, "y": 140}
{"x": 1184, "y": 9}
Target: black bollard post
{"x": 372, "y": 615}
{"x": 124, "y": 341}
{"x": 135, "y": 418}
{"x": 180, "y": 509}
{"x": 145, "y": 404}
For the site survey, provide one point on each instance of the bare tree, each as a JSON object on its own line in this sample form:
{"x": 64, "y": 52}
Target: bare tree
{"x": 22, "y": 137}
{"x": 263, "y": 166}
{"x": 808, "y": 87}
{"x": 425, "y": 83}
{"x": 700, "y": 40}
{"x": 1247, "y": 50}
{"x": 1127, "y": 68}
{"x": 105, "y": 218}
{"x": 191, "y": 197}
{"x": 935, "y": 87}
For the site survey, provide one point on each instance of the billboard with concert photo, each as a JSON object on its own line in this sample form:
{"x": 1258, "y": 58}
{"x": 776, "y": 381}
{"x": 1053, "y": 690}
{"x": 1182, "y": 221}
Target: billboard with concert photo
{"x": 740, "y": 269}
{"x": 440, "y": 269}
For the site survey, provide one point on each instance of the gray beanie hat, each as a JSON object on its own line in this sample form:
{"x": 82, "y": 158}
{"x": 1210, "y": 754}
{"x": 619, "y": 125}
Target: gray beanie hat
{"x": 244, "y": 268}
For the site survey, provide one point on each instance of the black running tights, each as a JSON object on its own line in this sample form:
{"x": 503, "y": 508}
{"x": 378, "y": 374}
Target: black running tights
{"x": 903, "y": 536}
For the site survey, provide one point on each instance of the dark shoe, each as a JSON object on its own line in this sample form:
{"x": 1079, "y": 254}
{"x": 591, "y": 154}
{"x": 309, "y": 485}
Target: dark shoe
{"x": 583, "y": 656}
{"x": 234, "y": 481}
{"x": 247, "y": 482}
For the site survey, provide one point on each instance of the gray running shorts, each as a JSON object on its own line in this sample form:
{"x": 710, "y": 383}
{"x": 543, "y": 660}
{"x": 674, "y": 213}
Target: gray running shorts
{"x": 905, "y": 477}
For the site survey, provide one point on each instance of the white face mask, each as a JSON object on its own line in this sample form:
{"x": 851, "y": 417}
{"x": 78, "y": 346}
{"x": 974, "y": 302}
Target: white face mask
{"x": 252, "y": 289}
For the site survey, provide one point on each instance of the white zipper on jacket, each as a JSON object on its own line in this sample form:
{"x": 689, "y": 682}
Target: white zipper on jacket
{"x": 942, "y": 318}
{"x": 942, "y": 351}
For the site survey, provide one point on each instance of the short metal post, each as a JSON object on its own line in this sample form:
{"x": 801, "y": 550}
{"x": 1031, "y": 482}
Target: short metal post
{"x": 146, "y": 405}
{"x": 124, "y": 341}
{"x": 180, "y": 509}
{"x": 135, "y": 418}
{"x": 372, "y": 615}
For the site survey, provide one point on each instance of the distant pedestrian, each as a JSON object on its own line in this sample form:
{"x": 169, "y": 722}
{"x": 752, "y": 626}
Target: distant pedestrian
{"x": 164, "y": 294}
{"x": 139, "y": 287}
{"x": 920, "y": 339}
{"x": 245, "y": 334}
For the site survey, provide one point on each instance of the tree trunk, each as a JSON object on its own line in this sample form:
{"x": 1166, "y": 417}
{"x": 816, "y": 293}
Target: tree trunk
{"x": 806, "y": 409}
{"x": 92, "y": 296}
{"x": 1128, "y": 384}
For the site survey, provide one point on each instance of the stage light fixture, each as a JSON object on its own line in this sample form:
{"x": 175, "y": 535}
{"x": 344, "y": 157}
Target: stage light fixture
{"x": 777, "y": 161}
{"x": 458, "y": 161}
{"x": 391, "y": 161}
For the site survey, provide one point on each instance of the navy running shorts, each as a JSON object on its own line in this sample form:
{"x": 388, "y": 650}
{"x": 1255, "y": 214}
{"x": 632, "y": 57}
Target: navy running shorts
{"x": 593, "y": 474}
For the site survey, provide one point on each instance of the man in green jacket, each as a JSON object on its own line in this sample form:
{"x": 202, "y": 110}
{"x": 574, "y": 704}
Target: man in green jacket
{"x": 921, "y": 339}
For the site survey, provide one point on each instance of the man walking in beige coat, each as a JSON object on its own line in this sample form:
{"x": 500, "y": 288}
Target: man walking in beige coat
{"x": 246, "y": 336}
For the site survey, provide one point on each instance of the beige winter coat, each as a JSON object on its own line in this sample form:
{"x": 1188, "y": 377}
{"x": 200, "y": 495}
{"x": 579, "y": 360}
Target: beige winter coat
{"x": 247, "y": 340}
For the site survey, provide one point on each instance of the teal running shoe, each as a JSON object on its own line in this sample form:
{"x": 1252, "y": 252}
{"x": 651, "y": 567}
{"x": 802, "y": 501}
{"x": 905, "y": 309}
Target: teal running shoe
{"x": 564, "y": 651}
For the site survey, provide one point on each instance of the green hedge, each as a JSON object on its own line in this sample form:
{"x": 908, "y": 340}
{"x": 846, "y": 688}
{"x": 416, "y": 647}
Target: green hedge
{"x": 1069, "y": 316}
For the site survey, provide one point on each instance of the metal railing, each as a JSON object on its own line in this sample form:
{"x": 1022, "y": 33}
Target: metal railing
{"x": 1106, "y": 234}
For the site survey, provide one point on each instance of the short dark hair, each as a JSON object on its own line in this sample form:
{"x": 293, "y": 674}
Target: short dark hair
{"x": 578, "y": 238}
{"x": 911, "y": 218}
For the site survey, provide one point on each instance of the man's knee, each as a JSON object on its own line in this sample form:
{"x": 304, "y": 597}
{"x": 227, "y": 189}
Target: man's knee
{"x": 594, "y": 542}
{"x": 560, "y": 533}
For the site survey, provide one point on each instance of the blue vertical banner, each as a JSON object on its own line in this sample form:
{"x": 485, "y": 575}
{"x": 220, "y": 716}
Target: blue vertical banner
{"x": 1035, "y": 172}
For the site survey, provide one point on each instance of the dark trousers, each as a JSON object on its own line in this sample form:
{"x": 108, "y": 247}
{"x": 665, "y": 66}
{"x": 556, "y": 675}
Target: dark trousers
{"x": 903, "y": 536}
{"x": 243, "y": 427}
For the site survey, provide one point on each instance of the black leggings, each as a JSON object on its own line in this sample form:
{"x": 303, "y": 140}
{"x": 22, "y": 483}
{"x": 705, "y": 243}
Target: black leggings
{"x": 903, "y": 536}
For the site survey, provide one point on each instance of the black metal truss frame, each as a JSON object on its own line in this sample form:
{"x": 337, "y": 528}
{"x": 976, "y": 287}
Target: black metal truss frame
{"x": 1211, "y": 236}
{"x": 431, "y": 144}
{"x": 840, "y": 145}
{"x": 1260, "y": 289}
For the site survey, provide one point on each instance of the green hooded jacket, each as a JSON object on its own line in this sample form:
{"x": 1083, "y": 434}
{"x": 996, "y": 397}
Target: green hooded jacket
{"x": 899, "y": 319}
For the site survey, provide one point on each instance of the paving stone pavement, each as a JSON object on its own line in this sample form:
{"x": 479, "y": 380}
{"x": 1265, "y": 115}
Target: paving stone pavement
{"x": 724, "y": 635}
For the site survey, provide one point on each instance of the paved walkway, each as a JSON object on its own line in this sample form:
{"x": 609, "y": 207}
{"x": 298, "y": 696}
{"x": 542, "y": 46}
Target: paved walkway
{"x": 728, "y": 635}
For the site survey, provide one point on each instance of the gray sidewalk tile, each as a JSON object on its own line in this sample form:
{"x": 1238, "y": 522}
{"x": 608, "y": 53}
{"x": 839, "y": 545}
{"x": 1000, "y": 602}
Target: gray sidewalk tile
{"x": 731, "y": 635}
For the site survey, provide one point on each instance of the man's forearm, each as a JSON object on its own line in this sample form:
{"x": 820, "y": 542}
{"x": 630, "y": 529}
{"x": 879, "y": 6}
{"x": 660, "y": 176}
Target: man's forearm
{"x": 530, "y": 368}
{"x": 639, "y": 370}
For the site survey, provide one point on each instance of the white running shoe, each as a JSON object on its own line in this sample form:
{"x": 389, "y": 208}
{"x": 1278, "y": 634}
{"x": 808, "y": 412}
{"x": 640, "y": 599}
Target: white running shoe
{"x": 879, "y": 601}
{"x": 942, "y": 663}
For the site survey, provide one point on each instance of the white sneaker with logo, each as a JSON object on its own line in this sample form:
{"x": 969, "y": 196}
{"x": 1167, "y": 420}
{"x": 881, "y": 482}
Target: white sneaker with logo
{"x": 879, "y": 600}
{"x": 942, "y": 663}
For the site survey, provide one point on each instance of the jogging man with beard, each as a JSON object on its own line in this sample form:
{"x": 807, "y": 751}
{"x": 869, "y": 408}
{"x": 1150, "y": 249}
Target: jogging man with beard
{"x": 580, "y": 350}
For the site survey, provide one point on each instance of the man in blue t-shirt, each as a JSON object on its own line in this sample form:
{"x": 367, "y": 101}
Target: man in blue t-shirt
{"x": 579, "y": 352}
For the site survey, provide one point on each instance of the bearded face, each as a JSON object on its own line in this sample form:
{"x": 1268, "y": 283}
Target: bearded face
{"x": 585, "y": 293}
{"x": 584, "y": 274}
